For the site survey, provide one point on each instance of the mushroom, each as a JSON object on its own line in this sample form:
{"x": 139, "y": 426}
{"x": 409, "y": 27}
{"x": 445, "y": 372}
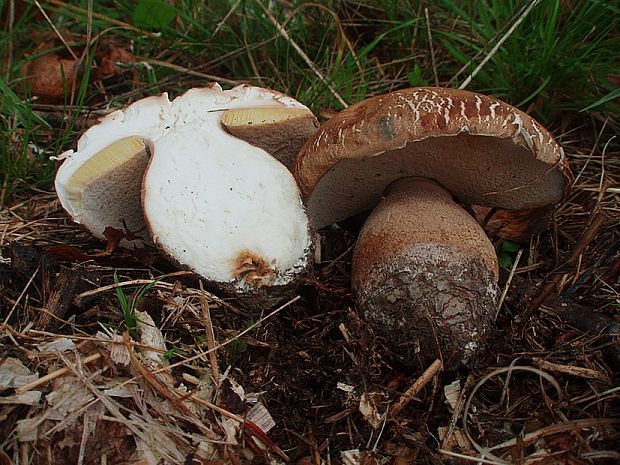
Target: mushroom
{"x": 423, "y": 271}
{"x": 225, "y": 208}
{"x": 216, "y": 204}
{"x": 280, "y": 133}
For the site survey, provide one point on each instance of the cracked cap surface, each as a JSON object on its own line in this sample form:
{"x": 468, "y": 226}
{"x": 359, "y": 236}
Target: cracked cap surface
{"x": 483, "y": 150}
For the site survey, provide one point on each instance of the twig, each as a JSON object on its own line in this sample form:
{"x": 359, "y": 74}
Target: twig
{"x": 555, "y": 429}
{"x": 85, "y": 433}
{"x": 596, "y": 397}
{"x": 602, "y": 454}
{"x": 215, "y": 370}
{"x": 225, "y": 18}
{"x": 609, "y": 190}
{"x": 457, "y": 410}
{"x": 588, "y": 236}
{"x": 410, "y": 393}
{"x": 469, "y": 457}
{"x": 56, "y": 31}
{"x": 498, "y": 45}
{"x": 508, "y": 281}
{"x": 182, "y": 69}
{"x": 331, "y": 264}
{"x": 430, "y": 44}
{"x": 54, "y": 374}
{"x": 302, "y": 54}
{"x": 602, "y": 177}
{"x": 581, "y": 372}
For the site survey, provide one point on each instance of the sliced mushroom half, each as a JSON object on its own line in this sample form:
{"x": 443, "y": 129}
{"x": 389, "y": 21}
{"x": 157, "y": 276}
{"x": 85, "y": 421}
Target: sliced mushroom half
{"x": 205, "y": 190}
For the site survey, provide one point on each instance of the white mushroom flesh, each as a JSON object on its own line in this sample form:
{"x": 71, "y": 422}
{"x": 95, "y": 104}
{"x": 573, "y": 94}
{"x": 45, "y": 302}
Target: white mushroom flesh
{"x": 149, "y": 119}
{"x": 225, "y": 208}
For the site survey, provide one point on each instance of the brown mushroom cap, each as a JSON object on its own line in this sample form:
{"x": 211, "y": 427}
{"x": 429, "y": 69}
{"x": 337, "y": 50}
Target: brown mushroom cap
{"x": 425, "y": 275}
{"x": 483, "y": 150}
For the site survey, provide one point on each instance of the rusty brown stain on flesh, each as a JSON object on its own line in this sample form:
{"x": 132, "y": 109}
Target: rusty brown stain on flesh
{"x": 252, "y": 268}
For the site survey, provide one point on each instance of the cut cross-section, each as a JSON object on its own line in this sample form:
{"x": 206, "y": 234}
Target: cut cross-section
{"x": 103, "y": 162}
{"x": 106, "y": 188}
{"x": 225, "y": 208}
{"x": 216, "y": 204}
{"x": 278, "y": 131}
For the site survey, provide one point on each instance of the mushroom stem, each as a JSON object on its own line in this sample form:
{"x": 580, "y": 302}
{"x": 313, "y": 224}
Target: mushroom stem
{"x": 425, "y": 274}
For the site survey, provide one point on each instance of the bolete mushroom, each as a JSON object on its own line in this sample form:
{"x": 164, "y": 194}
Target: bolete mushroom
{"x": 423, "y": 271}
{"x": 280, "y": 132}
{"x": 225, "y": 208}
{"x": 215, "y": 203}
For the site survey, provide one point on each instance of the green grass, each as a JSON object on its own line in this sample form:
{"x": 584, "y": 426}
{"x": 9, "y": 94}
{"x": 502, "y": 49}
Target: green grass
{"x": 558, "y": 59}
{"x": 562, "y": 58}
{"x": 129, "y": 306}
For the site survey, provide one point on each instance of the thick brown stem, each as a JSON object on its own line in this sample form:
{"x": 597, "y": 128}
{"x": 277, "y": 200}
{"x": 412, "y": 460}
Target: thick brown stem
{"x": 424, "y": 275}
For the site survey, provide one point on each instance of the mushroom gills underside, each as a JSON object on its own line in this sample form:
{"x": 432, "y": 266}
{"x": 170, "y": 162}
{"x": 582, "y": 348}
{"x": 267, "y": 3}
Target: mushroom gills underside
{"x": 106, "y": 190}
{"x": 478, "y": 170}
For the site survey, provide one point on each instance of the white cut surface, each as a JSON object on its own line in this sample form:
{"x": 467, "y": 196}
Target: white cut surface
{"x": 145, "y": 118}
{"x": 150, "y": 119}
{"x": 218, "y": 205}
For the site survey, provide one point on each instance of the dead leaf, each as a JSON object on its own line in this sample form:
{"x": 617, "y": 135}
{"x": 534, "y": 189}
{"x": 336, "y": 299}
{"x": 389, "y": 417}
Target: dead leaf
{"x": 14, "y": 374}
{"x": 110, "y": 58}
{"x": 457, "y": 440}
{"x": 368, "y": 408}
{"x": 452, "y": 392}
{"x": 27, "y": 398}
{"x": 517, "y": 225}
{"x": 260, "y": 416}
{"x": 50, "y": 77}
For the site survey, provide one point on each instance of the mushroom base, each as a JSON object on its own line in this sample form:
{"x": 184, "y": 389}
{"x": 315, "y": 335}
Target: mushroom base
{"x": 263, "y": 298}
{"x": 440, "y": 305}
